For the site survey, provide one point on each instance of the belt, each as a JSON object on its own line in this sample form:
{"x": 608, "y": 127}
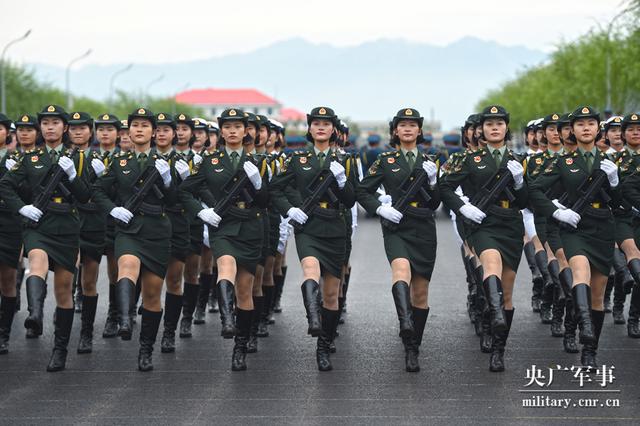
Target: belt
{"x": 59, "y": 206}
{"x": 153, "y": 210}
{"x": 597, "y": 212}
{"x": 325, "y": 212}
{"x": 88, "y": 207}
{"x": 418, "y": 212}
{"x": 597, "y": 205}
{"x": 244, "y": 213}
{"x": 503, "y": 204}
{"x": 176, "y": 208}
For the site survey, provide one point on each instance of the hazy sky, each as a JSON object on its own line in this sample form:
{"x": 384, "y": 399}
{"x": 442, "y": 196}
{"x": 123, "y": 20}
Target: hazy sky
{"x": 162, "y": 31}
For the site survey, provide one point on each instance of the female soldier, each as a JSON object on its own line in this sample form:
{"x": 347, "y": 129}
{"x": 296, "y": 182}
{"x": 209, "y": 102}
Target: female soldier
{"x": 164, "y": 139}
{"x": 142, "y": 243}
{"x": 236, "y": 238}
{"x": 321, "y": 241}
{"x": 51, "y": 236}
{"x": 123, "y": 134}
{"x": 410, "y": 246}
{"x": 107, "y": 128}
{"x": 92, "y": 229}
{"x": 496, "y": 234}
{"x": 588, "y": 238}
{"x": 10, "y": 244}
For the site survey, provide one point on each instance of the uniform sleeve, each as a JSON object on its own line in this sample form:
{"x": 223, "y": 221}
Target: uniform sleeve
{"x": 449, "y": 182}
{"x": 539, "y": 201}
{"x": 347, "y": 194}
{"x": 366, "y": 191}
{"x": 261, "y": 197}
{"x": 80, "y": 187}
{"x": 190, "y": 189}
{"x": 280, "y": 186}
{"x": 9, "y": 186}
{"x": 104, "y": 189}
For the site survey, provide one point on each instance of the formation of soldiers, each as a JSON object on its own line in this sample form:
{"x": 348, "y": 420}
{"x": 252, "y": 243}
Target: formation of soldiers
{"x": 191, "y": 214}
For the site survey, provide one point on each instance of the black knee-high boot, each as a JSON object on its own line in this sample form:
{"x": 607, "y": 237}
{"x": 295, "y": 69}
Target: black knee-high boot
{"x": 536, "y": 277}
{"x": 495, "y": 303}
{"x": 77, "y": 290}
{"x": 582, "y": 308}
{"x": 111, "y": 324}
{"x": 189, "y": 300}
{"x": 88, "y": 317}
{"x": 36, "y": 290}
{"x": 607, "y": 293}
{"x": 412, "y": 344}
{"x": 496, "y": 362}
{"x": 125, "y": 289}
{"x": 633, "y": 325}
{"x": 7, "y": 311}
{"x": 19, "y": 279}
{"x": 558, "y": 312}
{"x": 172, "y": 308}
{"x": 63, "y": 323}
{"x": 213, "y": 293}
{"x": 634, "y": 270}
{"x": 238, "y": 358}
{"x": 203, "y": 297}
{"x": 148, "y": 332}
{"x": 547, "y": 290}
{"x": 570, "y": 325}
{"x": 263, "y": 324}
{"x": 323, "y": 349}
{"x": 402, "y": 299}
{"x": 258, "y": 307}
{"x": 590, "y": 349}
{"x": 310, "y": 298}
{"x": 226, "y": 295}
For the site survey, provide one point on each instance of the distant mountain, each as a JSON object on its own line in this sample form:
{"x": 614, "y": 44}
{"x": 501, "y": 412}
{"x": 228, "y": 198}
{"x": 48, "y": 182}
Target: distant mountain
{"x": 370, "y": 81}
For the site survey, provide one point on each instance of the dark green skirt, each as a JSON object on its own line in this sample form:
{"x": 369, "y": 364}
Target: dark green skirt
{"x": 414, "y": 240}
{"x": 348, "y": 231}
{"x": 61, "y": 249}
{"x": 10, "y": 245}
{"x": 594, "y": 238}
{"x": 266, "y": 228}
{"x": 92, "y": 245}
{"x": 110, "y": 234}
{"x": 245, "y": 246}
{"x": 196, "y": 231}
{"x": 330, "y": 251}
{"x": 624, "y": 226}
{"x": 502, "y": 230}
{"x": 180, "y": 236}
{"x": 541, "y": 228}
{"x": 553, "y": 235}
{"x": 149, "y": 239}
{"x": 274, "y": 233}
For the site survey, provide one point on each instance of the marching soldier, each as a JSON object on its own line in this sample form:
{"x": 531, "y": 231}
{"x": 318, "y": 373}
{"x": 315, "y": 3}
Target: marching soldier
{"x": 52, "y": 231}
{"x": 588, "y": 236}
{"x": 236, "y": 237}
{"x": 320, "y": 238}
{"x": 123, "y": 135}
{"x": 142, "y": 242}
{"x": 497, "y": 234}
{"x": 410, "y": 244}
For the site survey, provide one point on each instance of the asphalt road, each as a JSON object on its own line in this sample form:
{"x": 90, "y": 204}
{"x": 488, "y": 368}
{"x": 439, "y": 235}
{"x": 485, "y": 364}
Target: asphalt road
{"x": 367, "y": 386}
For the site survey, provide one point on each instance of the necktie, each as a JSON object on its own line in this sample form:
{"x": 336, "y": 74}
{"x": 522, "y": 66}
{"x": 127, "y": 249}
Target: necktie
{"x": 497, "y": 155}
{"x": 105, "y": 158}
{"x": 321, "y": 158}
{"x": 142, "y": 160}
{"x": 234, "y": 160}
{"x": 54, "y": 156}
{"x": 589, "y": 159}
{"x": 410, "y": 159}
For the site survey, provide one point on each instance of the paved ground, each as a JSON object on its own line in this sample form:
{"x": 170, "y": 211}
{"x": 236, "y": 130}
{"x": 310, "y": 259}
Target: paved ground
{"x": 282, "y": 386}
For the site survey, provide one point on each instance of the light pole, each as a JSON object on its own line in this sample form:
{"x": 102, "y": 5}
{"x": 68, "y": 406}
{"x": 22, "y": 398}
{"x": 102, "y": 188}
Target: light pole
{"x": 67, "y": 77}
{"x": 2, "y": 85}
{"x": 151, "y": 83}
{"x": 112, "y": 81}
{"x": 173, "y": 105}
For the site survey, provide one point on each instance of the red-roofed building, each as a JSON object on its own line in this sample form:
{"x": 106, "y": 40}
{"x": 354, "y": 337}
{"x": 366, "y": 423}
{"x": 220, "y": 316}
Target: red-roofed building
{"x": 214, "y": 101}
{"x": 291, "y": 115}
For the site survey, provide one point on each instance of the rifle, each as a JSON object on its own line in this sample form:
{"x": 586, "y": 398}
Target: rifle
{"x": 54, "y": 181}
{"x": 588, "y": 190}
{"x": 149, "y": 178}
{"x": 490, "y": 192}
{"x": 412, "y": 186}
{"x": 234, "y": 188}
{"x": 318, "y": 187}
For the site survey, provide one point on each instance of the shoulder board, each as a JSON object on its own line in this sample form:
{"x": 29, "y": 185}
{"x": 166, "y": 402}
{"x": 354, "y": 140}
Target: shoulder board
{"x": 387, "y": 153}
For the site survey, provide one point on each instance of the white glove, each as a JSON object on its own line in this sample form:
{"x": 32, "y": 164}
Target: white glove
{"x": 98, "y": 166}
{"x": 10, "y": 163}
{"x": 197, "y": 159}
{"x": 285, "y": 232}
{"x": 432, "y": 171}
{"x": 183, "y": 169}
{"x": 611, "y": 170}
{"x": 472, "y": 213}
{"x": 567, "y": 216}
{"x": 298, "y": 215}
{"x": 66, "y": 164}
{"x": 165, "y": 171}
{"x": 389, "y": 213}
{"x": 253, "y": 173}
{"x": 517, "y": 171}
{"x": 339, "y": 173}
{"x": 31, "y": 212}
{"x": 464, "y": 199}
{"x": 121, "y": 214}
{"x": 385, "y": 199}
{"x": 210, "y": 216}
{"x": 558, "y": 205}
{"x": 205, "y": 237}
